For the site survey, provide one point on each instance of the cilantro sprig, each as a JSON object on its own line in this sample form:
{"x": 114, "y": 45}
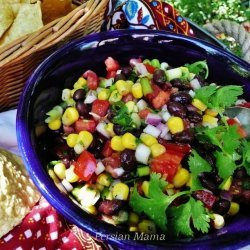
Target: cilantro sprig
{"x": 191, "y": 212}
{"x": 219, "y": 98}
{"x": 198, "y": 68}
{"x": 157, "y": 203}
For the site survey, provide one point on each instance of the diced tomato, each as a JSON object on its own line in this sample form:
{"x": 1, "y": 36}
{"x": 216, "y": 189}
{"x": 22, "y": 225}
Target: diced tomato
{"x": 81, "y": 125}
{"x": 176, "y": 147}
{"x": 245, "y": 105}
{"x": 150, "y": 68}
{"x": 113, "y": 161}
{"x": 161, "y": 99}
{"x": 100, "y": 107}
{"x": 206, "y": 197}
{"x": 242, "y": 132}
{"x": 127, "y": 98}
{"x": 85, "y": 166}
{"x": 110, "y": 74}
{"x": 167, "y": 164}
{"x": 92, "y": 79}
{"x": 111, "y": 64}
{"x": 107, "y": 150}
{"x": 156, "y": 90}
{"x": 144, "y": 113}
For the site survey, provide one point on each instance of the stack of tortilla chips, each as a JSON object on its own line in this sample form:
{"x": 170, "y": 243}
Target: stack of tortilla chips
{"x": 18, "y": 18}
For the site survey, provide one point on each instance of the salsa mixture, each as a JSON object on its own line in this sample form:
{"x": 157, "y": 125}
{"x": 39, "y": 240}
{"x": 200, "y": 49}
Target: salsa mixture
{"x": 147, "y": 147}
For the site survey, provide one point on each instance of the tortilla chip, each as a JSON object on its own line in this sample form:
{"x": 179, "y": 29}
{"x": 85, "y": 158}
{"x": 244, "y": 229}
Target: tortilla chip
{"x": 17, "y": 192}
{"x": 28, "y": 20}
{"x": 6, "y": 18}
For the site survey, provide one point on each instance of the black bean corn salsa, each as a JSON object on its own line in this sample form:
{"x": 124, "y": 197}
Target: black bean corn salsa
{"x": 148, "y": 147}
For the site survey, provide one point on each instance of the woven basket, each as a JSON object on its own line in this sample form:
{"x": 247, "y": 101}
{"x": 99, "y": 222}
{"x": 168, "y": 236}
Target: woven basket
{"x": 19, "y": 58}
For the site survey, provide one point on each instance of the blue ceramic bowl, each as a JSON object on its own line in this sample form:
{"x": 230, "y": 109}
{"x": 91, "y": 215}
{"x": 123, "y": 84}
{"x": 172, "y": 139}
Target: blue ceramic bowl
{"x": 63, "y": 67}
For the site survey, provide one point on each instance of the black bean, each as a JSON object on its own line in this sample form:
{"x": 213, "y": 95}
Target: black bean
{"x": 185, "y": 136}
{"x": 207, "y": 182}
{"x": 79, "y": 95}
{"x": 221, "y": 206}
{"x": 190, "y": 107}
{"x": 120, "y": 76}
{"x": 110, "y": 207}
{"x": 194, "y": 117}
{"x": 119, "y": 130}
{"x": 96, "y": 146}
{"x": 66, "y": 162}
{"x": 82, "y": 109}
{"x": 177, "y": 83}
{"x": 181, "y": 96}
{"x": 176, "y": 109}
{"x": 245, "y": 197}
{"x": 200, "y": 79}
{"x": 159, "y": 77}
{"x": 127, "y": 71}
{"x": 240, "y": 173}
{"x": 128, "y": 161}
{"x": 166, "y": 86}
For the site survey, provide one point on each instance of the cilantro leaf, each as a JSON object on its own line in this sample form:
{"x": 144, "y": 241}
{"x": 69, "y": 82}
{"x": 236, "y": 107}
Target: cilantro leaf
{"x": 225, "y": 165}
{"x": 156, "y": 205}
{"x": 246, "y": 155}
{"x": 219, "y": 98}
{"x": 198, "y": 68}
{"x": 197, "y": 165}
{"x": 182, "y": 216}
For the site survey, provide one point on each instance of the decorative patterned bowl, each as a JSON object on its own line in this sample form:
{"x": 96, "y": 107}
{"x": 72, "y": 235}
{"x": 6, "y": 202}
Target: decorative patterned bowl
{"x": 43, "y": 89}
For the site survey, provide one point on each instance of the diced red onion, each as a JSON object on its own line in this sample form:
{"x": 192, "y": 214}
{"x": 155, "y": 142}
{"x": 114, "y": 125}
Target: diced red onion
{"x": 195, "y": 84}
{"x": 164, "y": 107}
{"x": 99, "y": 168}
{"x": 141, "y": 104}
{"x": 115, "y": 172}
{"x": 95, "y": 116}
{"x": 67, "y": 185}
{"x": 141, "y": 69}
{"x": 142, "y": 153}
{"x": 164, "y": 129}
{"x": 153, "y": 119}
{"x": 151, "y": 130}
{"x": 167, "y": 137}
{"x": 68, "y": 129}
{"x": 134, "y": 61}
{"x": 90, "y": 97}
{"x": 101, "y": 128}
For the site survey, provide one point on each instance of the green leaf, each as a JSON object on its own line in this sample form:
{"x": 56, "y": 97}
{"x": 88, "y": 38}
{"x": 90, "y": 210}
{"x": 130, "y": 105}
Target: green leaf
{"x": 198, "y": 68}
{"x": 182, "y": 216}
{"x": 224, "y": 164}
{"x": 246, "y": 155}
{"x": 197, "y": 165}
{"x": 204, "y": 93}
{"x": 156, "y": 205}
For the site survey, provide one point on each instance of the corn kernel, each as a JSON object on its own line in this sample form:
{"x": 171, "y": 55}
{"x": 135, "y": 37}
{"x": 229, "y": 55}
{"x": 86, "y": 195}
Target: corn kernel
{"x": 116, "y": 143}
{"x": 234, "y": 208}
{"x": 147, "y": 139}
{"x": 110, "y": 129}
{"x": 120, "y": 191}
{"x": 99, "y": 187}
{"x": 70, "y": 116}
{"x": 104, "y": 94}
{"x": 181, "y": 177}
{"x": 90, "y": 209}
{"x": 115, "y": 96}
{"x": 78, "y": 148}
{"x": 85, "y": 138}
{"x": 137, "y": 90}
{"x": 104, "y": 179}
{"x": 199, "y": 104}
{"x": 157, "y": 149}
{"x": 219, "y": 221}
{"x": 175, "y": 124}
{"x": 211, "y": 112}
{"x": 71, "y": 140}
{"x": 147, "y": 226}
{"x": 70, "y": 175}
{"x": 130, "y": 106}
{"x": 129, "y": 141}
{"x": 133, "y": 229}
{"x": 59, "y": 170}
{"x": 81, "y": 82}
{"x": 122, "y": 87}
{"x": 133, "y": 219}
{"x": 55, "y": 124}
{"x": 227, "y": 184}
{"x": 209, "y": 121}
{"x": 144, "y": 187}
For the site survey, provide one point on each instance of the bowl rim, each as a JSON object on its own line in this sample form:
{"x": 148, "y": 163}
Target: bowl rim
{"x": 92, "y": 225}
